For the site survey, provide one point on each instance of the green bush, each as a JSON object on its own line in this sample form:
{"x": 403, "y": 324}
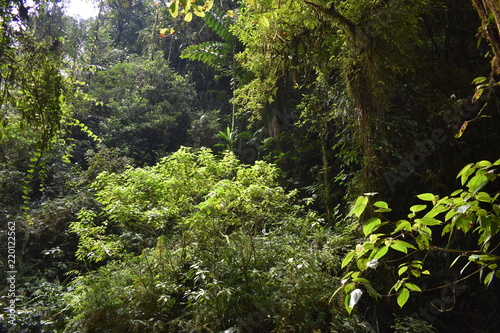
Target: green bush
{"x": 232, "y": 251}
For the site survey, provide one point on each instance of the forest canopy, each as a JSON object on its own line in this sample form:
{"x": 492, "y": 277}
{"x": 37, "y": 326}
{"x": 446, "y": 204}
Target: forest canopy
{"x": 250, "y": 166}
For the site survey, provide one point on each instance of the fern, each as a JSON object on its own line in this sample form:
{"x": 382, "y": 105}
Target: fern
{"x": 213, "y": 53}
{"x": 210, "y": 53}
{"x": 220, "y": 24}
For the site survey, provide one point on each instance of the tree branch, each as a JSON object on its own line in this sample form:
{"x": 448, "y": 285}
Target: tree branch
{"x": 346, "y": 24}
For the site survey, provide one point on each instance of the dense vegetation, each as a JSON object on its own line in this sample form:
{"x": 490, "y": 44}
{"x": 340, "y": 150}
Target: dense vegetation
{"x": 250, "y": 166}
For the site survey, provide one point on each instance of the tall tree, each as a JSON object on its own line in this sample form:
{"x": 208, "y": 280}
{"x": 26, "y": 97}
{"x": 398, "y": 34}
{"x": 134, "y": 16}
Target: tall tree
{"x": 144, "y": 107}
{"x": 31, "y": 60}
{"x": 32, "y": 86}
{"x": 360, "y": 45}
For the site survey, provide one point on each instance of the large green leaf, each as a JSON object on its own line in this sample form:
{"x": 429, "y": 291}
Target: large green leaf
{"x": 403, "y": 297}
{"x": 477, "y": 182}
{"x": 359, "y": 206}
{"x": 371, "y": 225}
{"x": 348, "y": 258}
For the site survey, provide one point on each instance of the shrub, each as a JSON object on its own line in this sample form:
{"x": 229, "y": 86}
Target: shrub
{"x": 232, "y": 251}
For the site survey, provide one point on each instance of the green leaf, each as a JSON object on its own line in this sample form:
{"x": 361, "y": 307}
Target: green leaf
{"x": 417, "y": 208}
{"x": 466, "y": 172}
{"x": 479, "y": 80}
{"x": 402, "y": 225}
{"x": 174, "y": 9}
{"x": 430, "y": 221}
{"x": 335, "y": 293}
{"x": 413, "y": 287}
{"x": 381, "y": 204}
{"x": 463, "y": 224}
{"x": 489, "y": 278}
{"x": 199, "y": 13}
{"x": 477, "y": 182}
{"x": 438, "y": 209}
{"x": 208, "y": 5}
{"x": 401, "y": 246}
{"x": 188, "y": 17}
{"x": 483, "y": 164}
{"x": 371, "y": 225}
{"x": 371, "y": 291}
{"x": 359, "y": 206}
{"x": 402, "y": 269}
{"x": 484, "y": 197}
{"x": 346, "y": 303}
{"x": 397, "y": 285}
{"x": 427, "y": 197}
{"x": 450, "y": 214}
{"x": 403, "y": 297}
{"x": 381, "y": 252}
{"x": 348, "y": 258}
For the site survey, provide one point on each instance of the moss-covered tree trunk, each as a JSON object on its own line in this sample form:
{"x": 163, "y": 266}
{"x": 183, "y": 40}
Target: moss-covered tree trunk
{"x": 363, "y": 77}
{"x": 370, "y": 112}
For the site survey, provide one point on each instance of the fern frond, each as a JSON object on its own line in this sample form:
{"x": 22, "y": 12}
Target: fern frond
{"x": 220, "y": 23}
{"x": 213, "y": 54}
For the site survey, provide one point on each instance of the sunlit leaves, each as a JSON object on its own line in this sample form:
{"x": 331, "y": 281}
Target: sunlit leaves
{"x": 191, "y": 188}
{"x": 187, "y": 8}
{"x": 469, "y": 210}
{"x": 166, "y": 32}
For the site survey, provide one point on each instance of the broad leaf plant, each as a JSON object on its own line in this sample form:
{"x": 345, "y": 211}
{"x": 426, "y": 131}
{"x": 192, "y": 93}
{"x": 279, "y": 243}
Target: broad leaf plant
{"x": 469, "y": 210}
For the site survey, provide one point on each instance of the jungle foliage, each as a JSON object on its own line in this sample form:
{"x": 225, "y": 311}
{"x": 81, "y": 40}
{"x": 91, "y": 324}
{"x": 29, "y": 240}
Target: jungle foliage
{"x": 250, "y": 166}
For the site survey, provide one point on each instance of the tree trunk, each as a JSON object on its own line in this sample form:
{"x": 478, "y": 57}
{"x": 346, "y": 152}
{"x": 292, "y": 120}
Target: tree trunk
{"x": 368, "y": 95}
{"x": 489, "y": 12}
